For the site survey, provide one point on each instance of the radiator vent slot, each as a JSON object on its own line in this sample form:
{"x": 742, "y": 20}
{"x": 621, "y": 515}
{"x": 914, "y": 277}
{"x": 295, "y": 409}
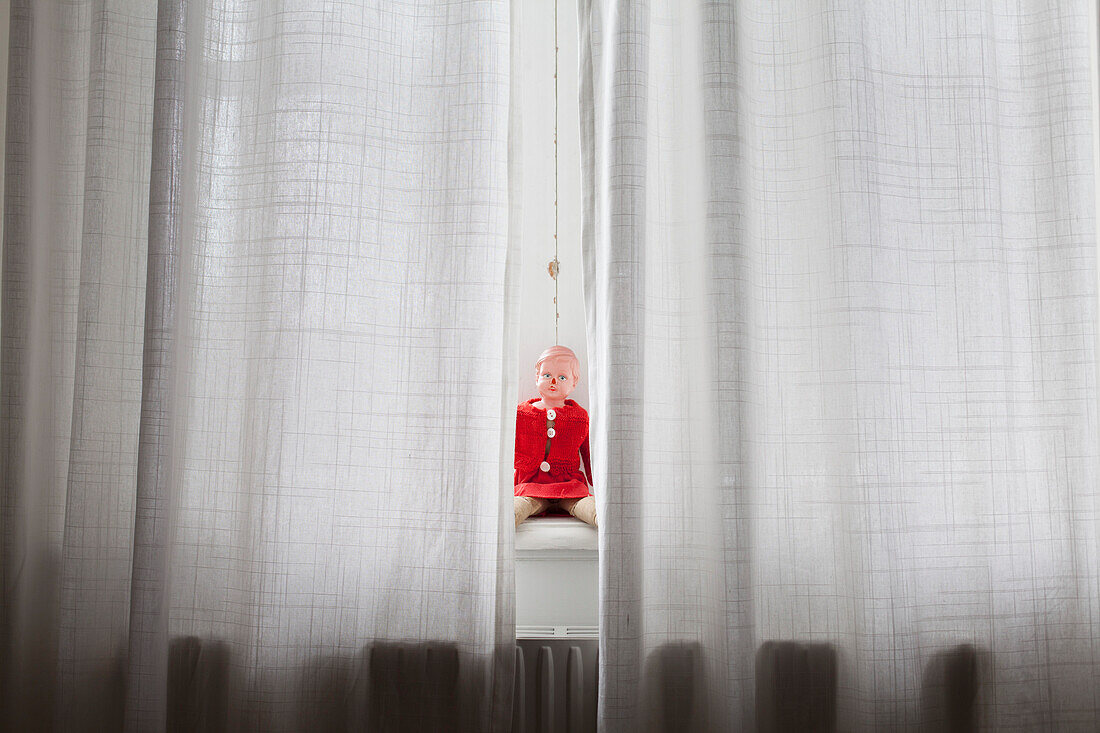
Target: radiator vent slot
{"x": 555, "y": 685}
{"x": 551, "y": 632}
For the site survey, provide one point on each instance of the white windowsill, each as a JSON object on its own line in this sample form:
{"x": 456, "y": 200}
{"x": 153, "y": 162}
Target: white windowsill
{"x": 550, "y": 538}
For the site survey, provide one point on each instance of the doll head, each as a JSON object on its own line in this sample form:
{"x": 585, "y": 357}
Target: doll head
{"x": 557, "y": 372}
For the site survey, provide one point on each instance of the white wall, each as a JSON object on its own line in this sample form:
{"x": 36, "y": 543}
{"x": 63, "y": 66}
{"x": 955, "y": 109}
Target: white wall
{"x": 534, "y": 27}
{"x": 1094, "y": 70}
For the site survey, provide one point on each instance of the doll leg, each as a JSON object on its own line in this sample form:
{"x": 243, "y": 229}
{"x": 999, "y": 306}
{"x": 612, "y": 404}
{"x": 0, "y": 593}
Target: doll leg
{"x": 525, "y": 506}
{"x": 583, "y": 509}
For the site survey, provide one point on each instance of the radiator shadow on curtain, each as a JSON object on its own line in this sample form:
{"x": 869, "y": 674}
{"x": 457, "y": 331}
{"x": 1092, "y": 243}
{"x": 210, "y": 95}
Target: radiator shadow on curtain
{"x": 414, "y": 687}
{"x": 949, "y": 691}
{"x": 675, "y": 692}
{"x": 388, "y": 687}
{"x": 198, "y": 685}
{"x": 796, "y": 689}
{"x": 796, "y": 685}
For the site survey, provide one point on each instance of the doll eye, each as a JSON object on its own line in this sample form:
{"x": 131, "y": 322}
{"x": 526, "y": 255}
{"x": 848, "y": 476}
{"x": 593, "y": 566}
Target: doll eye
{"x": 561, "y": 377}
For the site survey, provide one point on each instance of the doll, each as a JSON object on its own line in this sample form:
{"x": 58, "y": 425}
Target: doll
{"x": 552, "y": 442}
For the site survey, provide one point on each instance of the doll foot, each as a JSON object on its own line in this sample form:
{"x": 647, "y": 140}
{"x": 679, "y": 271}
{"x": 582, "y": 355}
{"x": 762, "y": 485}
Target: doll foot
{"x": 584, "y": 510}
{"x": 525, "y": 506}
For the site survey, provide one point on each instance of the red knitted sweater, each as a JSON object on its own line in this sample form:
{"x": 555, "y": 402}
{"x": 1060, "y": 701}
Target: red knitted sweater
{"x": 568, "y": 448}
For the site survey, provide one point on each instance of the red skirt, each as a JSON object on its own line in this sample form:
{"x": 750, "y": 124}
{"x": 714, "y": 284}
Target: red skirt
{"x": 571, "y": 489}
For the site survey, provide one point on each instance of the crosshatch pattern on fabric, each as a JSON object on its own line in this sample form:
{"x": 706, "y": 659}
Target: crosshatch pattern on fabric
{"x": 297, "y": 454}
{"x": 841, "y": 264}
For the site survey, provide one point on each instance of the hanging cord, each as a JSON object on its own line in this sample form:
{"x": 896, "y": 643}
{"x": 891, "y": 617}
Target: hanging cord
{"x": 555, "y": 266}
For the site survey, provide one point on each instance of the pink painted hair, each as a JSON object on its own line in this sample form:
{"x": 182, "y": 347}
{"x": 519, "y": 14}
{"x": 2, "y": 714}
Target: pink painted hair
{"x": 574, "y": 362}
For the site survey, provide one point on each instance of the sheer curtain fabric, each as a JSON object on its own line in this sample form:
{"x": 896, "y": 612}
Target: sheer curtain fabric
{"x": 841, "y": 286}
{"x": 253, "y": 324}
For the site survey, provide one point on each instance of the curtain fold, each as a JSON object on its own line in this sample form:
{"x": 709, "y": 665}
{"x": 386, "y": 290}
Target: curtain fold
{"x": 841, "y": 285}
{"x": 256, "y": 304}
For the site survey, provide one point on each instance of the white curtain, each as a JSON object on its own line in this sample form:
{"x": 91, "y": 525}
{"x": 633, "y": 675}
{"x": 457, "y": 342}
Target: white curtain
{"x": 254, "y": 310}
{"x": 841, "y": 287}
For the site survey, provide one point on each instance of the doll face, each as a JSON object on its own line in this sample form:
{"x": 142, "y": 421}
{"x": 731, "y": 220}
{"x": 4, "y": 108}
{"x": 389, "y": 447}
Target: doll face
{"x": 555, "y": 379}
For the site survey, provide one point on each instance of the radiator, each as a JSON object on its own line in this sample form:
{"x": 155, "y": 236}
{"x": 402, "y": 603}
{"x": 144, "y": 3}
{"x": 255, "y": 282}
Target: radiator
{"x": 555, "y": 685}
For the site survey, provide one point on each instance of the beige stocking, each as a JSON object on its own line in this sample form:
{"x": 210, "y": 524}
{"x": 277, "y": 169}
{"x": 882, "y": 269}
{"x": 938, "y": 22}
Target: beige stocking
{"x": 525, "y": 506}
{"x": 583, "y": 509}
